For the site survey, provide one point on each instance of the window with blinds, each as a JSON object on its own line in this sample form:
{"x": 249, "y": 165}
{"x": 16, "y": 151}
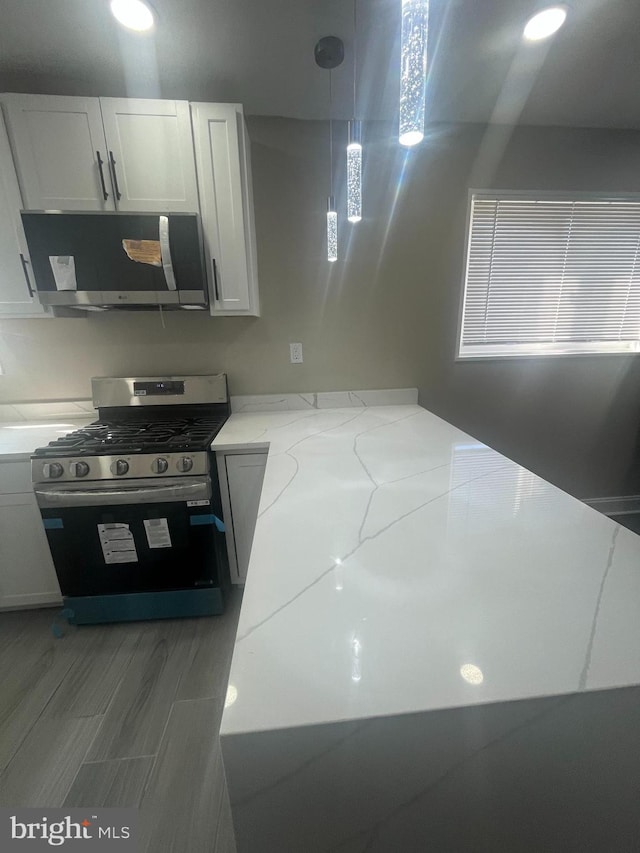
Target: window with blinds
{"x": 547, "y": 274}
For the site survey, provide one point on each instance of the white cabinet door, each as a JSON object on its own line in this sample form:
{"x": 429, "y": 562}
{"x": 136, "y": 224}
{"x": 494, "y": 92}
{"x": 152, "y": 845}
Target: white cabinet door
{"x": 27, "y": 575}
{"x": 226, "y": 204}
{"x": 60, "y": 152}
{"x": 244, "y": 475}
{"x": 150, "y": 150}
{"x": 17, "y": 295}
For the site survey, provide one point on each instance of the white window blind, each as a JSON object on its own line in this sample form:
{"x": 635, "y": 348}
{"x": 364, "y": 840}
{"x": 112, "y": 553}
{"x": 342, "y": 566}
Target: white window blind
{"x": 553, "y": 275}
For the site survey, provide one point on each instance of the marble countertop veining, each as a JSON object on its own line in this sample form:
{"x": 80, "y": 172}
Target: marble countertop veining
{"x": 399, "y": 565}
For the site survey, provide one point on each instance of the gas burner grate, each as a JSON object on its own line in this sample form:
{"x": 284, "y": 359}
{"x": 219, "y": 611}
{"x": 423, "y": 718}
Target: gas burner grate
{"x": 127, "y": 437}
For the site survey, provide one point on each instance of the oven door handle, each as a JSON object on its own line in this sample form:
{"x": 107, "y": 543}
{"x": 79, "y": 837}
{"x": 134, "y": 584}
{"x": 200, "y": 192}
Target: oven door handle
{"x": 197, "y": 489}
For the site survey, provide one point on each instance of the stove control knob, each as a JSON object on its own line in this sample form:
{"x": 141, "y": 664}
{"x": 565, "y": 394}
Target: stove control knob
{"x": 78, "y": 469}
{"x": 52, "y": 470}
{"x": 119, "y": 467}
{"x": 184, "y": 464}
{"x": 159, "y": 465}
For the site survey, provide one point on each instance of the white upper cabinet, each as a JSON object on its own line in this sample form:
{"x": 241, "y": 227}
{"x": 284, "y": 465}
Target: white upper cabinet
{"x": 131, "y": 155}
{"x": 60, "y": 152}
{"x": 150, "y": 150}
{"x": 226, "y": 205}
{"x": 17, "y": 296}
{"x": 103, "y": 153}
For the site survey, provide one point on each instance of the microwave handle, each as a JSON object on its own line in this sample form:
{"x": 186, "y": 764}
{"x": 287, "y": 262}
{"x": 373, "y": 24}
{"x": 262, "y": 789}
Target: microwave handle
{"x": 165, "y": 252}
{"x": 24, "y": 263}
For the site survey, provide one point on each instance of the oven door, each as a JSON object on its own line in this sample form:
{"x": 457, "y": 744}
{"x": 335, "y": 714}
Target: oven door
{"x": 138, "y": 536}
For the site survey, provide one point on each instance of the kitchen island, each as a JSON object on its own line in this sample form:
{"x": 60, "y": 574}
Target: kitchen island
{"x": 437, "y": 650}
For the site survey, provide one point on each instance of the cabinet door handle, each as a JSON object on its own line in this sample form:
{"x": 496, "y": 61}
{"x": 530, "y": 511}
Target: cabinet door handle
{"x": 215, "y": 280}
{"x": 112, "y": 160}
{"x": 24, "y": 262}
{"x": 105, "y": 194}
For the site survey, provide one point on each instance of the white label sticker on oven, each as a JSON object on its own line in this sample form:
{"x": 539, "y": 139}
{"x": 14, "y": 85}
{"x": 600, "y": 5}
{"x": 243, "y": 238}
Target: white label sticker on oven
{"x": 198, "y": 503}
{"x": 157, "y": 532}
{"x": 117, "y": 542}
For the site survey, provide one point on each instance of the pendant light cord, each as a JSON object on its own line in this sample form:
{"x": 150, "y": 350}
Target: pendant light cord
{"x": 355, "y": 53}
{"x": 330, "y": 136}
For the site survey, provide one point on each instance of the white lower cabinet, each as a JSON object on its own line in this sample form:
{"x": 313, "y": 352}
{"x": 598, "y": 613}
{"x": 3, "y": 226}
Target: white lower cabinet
{"x": 27, "y": 575}
{"x": 241, "y": 475}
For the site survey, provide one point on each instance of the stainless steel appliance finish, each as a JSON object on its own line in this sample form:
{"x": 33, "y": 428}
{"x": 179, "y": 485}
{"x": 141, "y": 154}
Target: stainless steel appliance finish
{"x": 133, "y": 492}
{"x": 105, "y": 275}
{"x": 131, "y": 504}
{"x": 157, "y": 390}
{"x": 118, "y": 467}
{"x": 119, "y": 299}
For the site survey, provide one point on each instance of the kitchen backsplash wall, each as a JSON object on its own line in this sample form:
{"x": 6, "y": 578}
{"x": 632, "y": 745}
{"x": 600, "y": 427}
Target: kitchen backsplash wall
{"x": 385, "y": 315}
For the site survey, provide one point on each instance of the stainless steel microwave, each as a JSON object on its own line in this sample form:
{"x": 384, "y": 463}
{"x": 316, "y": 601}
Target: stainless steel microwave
{"x": 94, "y": 261}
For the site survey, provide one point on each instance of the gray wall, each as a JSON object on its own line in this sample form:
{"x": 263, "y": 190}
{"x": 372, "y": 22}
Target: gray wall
{"x": 355, "y": 318}
{"x": 385, "y": 315}
{"x": 573, "y": 420}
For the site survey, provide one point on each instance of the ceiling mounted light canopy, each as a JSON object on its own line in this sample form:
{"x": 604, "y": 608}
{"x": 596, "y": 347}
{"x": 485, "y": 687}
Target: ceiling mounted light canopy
{"x": 413, "y": 70}
{"x": 545, "y": 23}
{"x": 133, "y": 14}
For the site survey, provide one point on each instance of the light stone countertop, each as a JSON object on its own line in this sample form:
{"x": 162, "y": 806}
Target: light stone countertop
{"x": 18, "y": 440}
{"x": 400, "y": 565}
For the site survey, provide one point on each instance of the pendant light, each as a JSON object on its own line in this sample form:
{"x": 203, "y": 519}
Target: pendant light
{"x": 332, "y": 230}
{"x": 354, "y": 142}
{"x": 329, "y": 53}
{"x": 332, "y": 213}
{"x": 413, "y": 70}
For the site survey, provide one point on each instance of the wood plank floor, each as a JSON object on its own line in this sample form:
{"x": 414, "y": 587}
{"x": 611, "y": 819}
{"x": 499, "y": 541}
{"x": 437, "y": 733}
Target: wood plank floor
{"x": 120, "y": 715}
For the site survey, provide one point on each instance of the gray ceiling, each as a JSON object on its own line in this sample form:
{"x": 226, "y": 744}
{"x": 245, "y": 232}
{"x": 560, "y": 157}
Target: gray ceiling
{"x": 260, "y": 53}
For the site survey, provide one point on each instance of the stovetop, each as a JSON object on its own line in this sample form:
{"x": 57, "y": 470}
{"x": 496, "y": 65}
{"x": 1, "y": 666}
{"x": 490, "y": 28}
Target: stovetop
{"x": 135, "y": 436}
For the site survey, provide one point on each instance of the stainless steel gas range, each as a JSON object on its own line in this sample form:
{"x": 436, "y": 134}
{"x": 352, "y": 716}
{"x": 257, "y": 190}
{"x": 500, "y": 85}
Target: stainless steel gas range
{"x": 131, "y": 503}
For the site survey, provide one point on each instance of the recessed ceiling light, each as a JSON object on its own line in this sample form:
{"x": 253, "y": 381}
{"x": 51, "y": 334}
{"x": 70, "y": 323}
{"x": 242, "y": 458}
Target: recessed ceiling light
{"x": 471, "y": 673}
{"x": 545, "y": 23}
{"x": 132, "y": 14}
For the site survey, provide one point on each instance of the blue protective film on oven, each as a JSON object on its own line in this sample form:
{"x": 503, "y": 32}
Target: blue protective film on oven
{"x": 52, "y": 523}
{"x": 207, "y": 519}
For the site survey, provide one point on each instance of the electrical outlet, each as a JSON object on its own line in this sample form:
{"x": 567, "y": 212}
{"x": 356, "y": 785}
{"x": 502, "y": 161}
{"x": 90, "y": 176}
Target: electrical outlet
{"x": 295, "y": 353}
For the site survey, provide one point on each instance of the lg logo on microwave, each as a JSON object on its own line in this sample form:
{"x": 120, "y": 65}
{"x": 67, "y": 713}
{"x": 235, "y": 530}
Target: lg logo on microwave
{"x": 70, "y": 829}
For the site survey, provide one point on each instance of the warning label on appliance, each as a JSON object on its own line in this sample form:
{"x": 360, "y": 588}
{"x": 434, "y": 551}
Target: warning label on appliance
{"x": 157, "y": 532}
{"x": 118, "y": 545}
